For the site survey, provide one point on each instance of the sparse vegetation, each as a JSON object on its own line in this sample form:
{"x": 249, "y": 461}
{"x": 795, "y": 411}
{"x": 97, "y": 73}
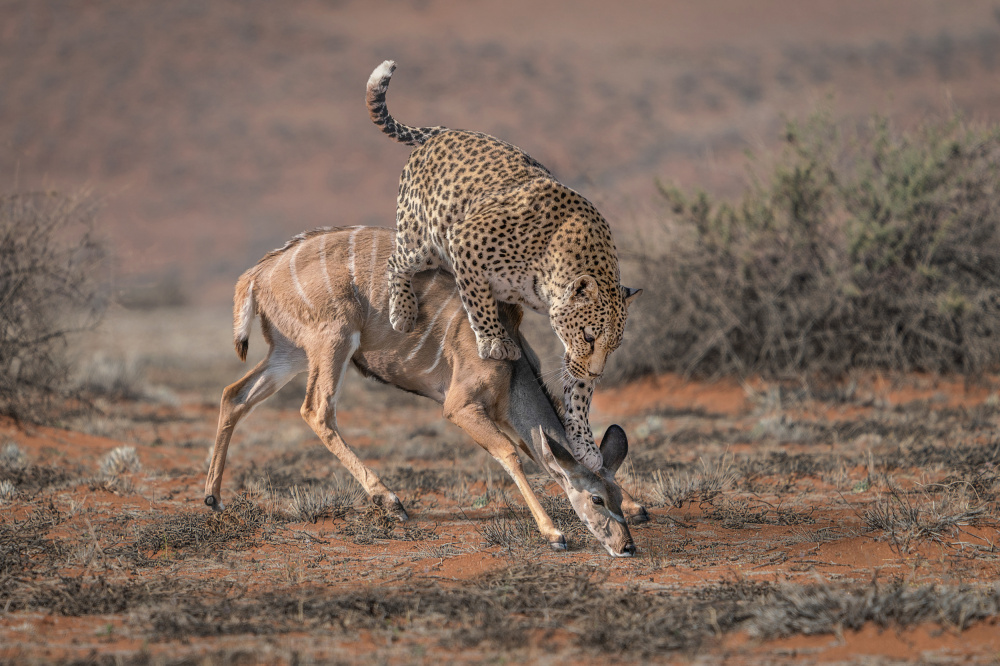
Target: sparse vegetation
{"x": 49, "y": 289}
{"x": 333, "y": 501}
{"x": 902, "y": 518}
{"x": 243, "y": 524}
{"x": 263, "y": 568}
{"x": 675, "y": 488}
{"x": 871, "y": 249}
{"x": 7, "y": 490}
{"x": 512, "y": 528}
{"x": 120, "y": 460}
{"x": 116, "y": 468}
{"x": 822, "y": 609}
{"x": 12, "y": 458}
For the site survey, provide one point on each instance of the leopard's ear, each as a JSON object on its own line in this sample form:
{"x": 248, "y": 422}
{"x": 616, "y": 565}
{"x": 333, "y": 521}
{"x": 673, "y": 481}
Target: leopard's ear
{"x": 630, "y": 295}
{"x": 582, "y": 289}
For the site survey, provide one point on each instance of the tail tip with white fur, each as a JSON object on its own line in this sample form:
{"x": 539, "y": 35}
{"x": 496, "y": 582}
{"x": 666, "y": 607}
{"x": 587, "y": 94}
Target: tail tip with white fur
{"x": 381, "y": 74}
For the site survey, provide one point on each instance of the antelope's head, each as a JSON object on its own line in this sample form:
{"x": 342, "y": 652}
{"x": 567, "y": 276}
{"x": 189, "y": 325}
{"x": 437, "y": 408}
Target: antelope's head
{"x": 596, "y": 497}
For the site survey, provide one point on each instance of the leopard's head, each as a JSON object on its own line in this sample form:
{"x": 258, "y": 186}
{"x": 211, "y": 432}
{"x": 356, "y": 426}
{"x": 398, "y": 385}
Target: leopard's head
{"x": 589, "y": 319}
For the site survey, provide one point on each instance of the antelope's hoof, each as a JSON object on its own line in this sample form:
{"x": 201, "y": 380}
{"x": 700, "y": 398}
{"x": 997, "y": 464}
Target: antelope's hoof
{"x": 558, "y": 543}
{"x": 213, "y": 502}
{"x": 637, "y": 516}
{"x": 394, "y": 509}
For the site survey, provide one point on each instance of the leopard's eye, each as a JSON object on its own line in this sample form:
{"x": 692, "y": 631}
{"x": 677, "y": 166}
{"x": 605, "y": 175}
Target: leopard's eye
{"x": 588, "y": 335}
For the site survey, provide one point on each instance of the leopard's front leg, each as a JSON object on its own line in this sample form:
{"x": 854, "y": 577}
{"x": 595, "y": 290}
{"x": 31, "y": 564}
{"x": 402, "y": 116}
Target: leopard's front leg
{"x": 492, "y": 339}
{"x": 474, "y": 288}
{"x": 577, "y": 394}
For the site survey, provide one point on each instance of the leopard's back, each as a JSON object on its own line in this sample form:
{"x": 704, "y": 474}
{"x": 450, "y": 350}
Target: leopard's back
{"x": 458, "y": 174}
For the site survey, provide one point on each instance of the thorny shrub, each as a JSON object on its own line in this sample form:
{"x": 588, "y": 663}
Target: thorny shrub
{"x": 878, "y": 250}
{"x": 49, "y": 288}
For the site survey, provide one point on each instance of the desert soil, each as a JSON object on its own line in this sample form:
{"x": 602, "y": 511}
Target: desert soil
{"x": 841, "y": 523}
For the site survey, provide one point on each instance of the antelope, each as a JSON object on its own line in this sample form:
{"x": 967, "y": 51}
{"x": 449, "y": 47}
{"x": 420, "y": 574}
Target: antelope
{"x": 323, "y": 304}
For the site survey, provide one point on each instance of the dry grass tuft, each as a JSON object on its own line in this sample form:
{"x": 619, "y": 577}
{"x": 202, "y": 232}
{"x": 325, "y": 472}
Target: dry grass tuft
{"x": 13, "y": 459}
{"x": 314, "y": 502}
{"x": 120, "y": 460}
{"x": 237, "y": 527}
{"x": 512, "y": 528}
{"x": 902, "y": 518}
{"x": 8, "y": 491}
{"x": 677, "y": 488}
{"x": 116, "y": 469}
{"x": 376, "y": 523}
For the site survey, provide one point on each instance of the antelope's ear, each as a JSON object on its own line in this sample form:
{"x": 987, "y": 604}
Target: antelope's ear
{"x": 630, "y": 295}
{"x": 554, "y": 455}
{"x": 614, "y": 448}
{"x": 583, "y": 289}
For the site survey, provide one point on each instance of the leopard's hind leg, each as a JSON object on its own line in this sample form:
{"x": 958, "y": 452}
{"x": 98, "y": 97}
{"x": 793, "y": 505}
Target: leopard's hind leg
{"x": 413, "y": 253}
{"x": 402, "y": 300}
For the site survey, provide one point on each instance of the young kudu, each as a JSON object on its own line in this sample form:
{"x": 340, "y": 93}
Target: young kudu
{"x": 323, "y": 305}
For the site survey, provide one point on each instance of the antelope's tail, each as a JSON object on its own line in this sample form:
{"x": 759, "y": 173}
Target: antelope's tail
{"x": 244, "y": 310}
{"x": 378, "y": 84}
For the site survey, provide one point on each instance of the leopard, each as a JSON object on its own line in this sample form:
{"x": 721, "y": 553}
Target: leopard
{"x": 509, "y": 231}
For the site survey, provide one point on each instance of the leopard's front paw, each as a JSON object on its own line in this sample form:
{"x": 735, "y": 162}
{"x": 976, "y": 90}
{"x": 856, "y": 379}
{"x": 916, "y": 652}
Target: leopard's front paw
{"x": 500, "y": 349}
{"x": 403, "y": 314}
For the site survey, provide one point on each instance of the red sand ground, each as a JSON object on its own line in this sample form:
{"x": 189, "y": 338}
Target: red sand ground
{"x": 680, "y": 549}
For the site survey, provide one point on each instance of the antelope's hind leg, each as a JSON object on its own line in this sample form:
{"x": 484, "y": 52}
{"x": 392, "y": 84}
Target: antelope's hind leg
{"x": 284, "y": 360}
{"x": 319, "y": 409}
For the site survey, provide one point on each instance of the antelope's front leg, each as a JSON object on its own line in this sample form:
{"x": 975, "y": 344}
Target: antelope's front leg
{"x": 577, "y": 395}
{"x": 473, "y": 420}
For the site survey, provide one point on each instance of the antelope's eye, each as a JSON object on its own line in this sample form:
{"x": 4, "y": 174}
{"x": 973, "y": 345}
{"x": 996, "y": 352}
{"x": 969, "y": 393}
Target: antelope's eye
{"x": 588, "y": 335}
{"x": 597, "y": 499}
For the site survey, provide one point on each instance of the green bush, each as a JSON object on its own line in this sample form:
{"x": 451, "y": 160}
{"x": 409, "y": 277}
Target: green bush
{"x": 49, "y": 289}
{"x": 881, "y": 250}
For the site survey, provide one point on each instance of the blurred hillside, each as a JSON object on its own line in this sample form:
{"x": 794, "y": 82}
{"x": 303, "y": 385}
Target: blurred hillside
{"x": 216, "y": 130}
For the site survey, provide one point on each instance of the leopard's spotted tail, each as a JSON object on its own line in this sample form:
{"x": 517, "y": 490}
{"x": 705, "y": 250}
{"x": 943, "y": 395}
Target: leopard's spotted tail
{"x": 378, "y": 83}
